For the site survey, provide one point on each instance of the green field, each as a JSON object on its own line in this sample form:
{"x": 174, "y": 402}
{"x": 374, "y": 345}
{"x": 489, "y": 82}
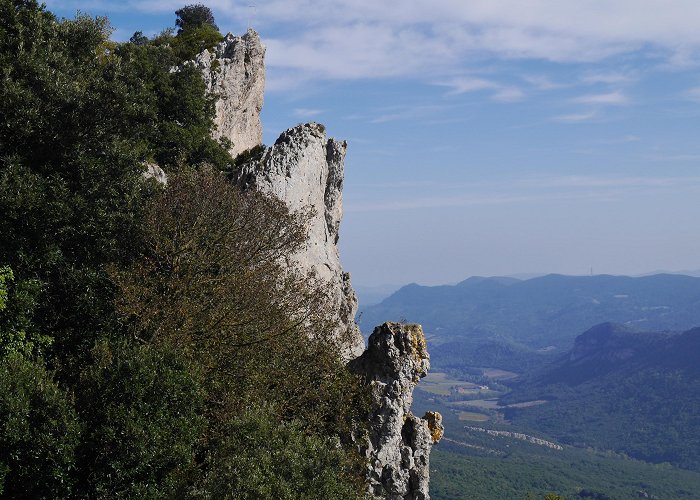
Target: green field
{"x": 441, "y": 385}
{"x": 472, "y": 416}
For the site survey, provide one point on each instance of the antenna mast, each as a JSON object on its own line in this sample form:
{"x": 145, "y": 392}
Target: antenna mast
{"x": 251, "y": 15}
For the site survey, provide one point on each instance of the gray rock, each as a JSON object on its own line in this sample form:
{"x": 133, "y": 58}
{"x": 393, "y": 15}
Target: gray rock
{"x": 153, "y": 171}
{"x": 235, "y": 72}
{"x": 305, "y": 170}
{"x": 399, "y": 443}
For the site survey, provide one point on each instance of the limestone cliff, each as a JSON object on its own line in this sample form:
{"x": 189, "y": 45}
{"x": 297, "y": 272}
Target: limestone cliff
{"x": 234, "y": 71}
{"x": 305, "y": 169}
{"x": 399, "y": 443}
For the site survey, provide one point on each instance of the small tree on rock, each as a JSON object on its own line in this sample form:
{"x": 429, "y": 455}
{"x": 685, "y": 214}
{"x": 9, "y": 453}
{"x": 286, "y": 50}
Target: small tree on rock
{"x": 194, "y": 16}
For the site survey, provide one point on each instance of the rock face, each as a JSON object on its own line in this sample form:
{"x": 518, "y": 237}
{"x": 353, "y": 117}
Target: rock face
{"x": 399, "y": 443}
{"x": 235, "y": 72}
{"x": 305, "y": 170}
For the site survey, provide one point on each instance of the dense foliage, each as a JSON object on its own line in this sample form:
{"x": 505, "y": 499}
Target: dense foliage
{"x": 149, "y": 333}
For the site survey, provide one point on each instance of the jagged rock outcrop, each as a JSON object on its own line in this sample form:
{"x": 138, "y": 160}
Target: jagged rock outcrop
{"x": 235, "y": 72}
{"x": 305, "y": 170}
{"x": 399, "y": 443}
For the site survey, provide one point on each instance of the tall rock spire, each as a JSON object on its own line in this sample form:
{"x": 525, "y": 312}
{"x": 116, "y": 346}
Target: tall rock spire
{"x": 234, "y": 71}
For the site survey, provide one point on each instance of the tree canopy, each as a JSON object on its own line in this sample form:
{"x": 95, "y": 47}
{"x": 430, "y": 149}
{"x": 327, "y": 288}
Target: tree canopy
{"x": 141, "y": 324}
{"x": 194, "y": 16}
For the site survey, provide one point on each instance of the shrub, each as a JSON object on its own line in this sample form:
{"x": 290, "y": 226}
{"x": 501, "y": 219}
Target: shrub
{"x": 39, "y": 432}
{"x": 143, "y": 411}
{"x": 258, "y": 457}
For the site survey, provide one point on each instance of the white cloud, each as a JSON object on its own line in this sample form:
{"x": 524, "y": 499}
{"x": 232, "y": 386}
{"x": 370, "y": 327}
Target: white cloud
{"x": 306, "y": 112}
{"x": 543, "y": 82}
{"x": 500, "y": 92}
{"x": 584, "y": 181}
{"x": 509, "y": 94}
{"x": 406, "y": 113}
{"x": 529, "y": 190}
{"x": 604, "y": 77}
{"x": 337, "y": 39}
{"x": 576, "y": 117}
{"x": 693, "y": 94}
{"x": 616, "y": 98}
{"x": 461, "y": 85}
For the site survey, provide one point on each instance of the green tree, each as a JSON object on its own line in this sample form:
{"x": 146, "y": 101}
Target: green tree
{"x": 258, "y": 457}
{"x": 194, "y": 16}
{"x": 39, "y": 432}
{"x": 143, "y": 411}
{"x": 197, "y": 31}
{"x": 215, "y": 284}
{"x": 17, "y": 303}
{"x": 81, "y": 117}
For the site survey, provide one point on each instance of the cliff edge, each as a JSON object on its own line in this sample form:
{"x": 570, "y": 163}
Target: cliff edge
{"x": 305, "y": 169}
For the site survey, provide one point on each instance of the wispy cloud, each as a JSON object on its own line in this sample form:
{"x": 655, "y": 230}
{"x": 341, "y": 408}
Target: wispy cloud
{"x": 306, "y": 112}
{"x": 607, "y": 77}
{"x": 336, "y": 39}
{"x": 622, "y": 140}
{"x": 543, "y": 82}
{"x": 464, "y": 84}
{"x": 509, "y": 94}
{"x": 693, "y": 94}
{"x": 576, "y": 117}
{"x": 616, "y": 98}
{"x": 531, "y": 190}
{"x": 406, "y": 112}
{"x": 585, "y": 181}
{"x": 499, "y": 92}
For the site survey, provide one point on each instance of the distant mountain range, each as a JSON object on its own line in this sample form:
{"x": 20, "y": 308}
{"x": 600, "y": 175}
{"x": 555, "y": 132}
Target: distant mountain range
{"x": 633, "y": 392}
{"x": 538, "y": 315}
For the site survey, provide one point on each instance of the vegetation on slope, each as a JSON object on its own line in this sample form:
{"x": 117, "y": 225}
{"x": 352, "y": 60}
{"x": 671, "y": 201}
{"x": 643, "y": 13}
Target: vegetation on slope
{"x": 476, "y": 465}
{"x": 151, "y": 344}
{"x": 637, "y": 393}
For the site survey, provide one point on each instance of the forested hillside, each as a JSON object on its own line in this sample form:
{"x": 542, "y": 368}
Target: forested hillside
{"x": 151, "y": 342}
{"x": 632, "y": 392}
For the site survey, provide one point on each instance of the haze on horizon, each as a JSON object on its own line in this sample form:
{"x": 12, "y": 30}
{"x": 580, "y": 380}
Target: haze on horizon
{"x": 486, "y": 137}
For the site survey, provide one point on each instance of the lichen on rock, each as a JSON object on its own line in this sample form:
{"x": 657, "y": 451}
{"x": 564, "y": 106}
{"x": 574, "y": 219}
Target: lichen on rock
{"x": 434, "y": 420}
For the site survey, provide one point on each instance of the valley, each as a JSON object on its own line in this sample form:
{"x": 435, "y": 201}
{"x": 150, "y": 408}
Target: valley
{"x": 532, "y": 405}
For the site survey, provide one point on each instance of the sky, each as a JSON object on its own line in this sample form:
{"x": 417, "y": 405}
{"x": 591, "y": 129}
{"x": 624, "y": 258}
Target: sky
{"x": 486, "y": 137}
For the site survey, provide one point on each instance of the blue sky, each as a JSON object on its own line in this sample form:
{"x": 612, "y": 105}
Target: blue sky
{"x": 486, "y": 137}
